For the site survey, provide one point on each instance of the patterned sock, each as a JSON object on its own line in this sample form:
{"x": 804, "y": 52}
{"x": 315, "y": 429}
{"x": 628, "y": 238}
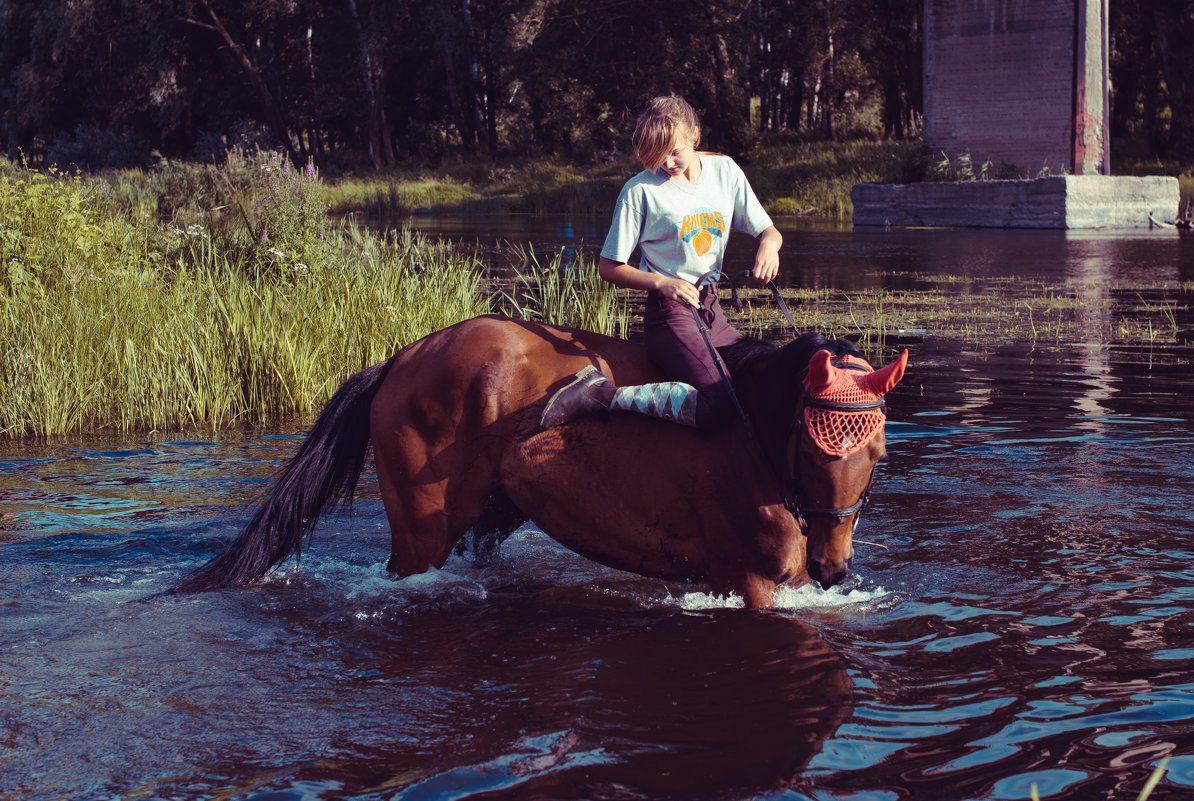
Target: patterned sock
{"x": 668, "y": 400}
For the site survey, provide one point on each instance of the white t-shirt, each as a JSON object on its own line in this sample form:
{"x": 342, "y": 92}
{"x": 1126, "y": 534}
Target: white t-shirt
{"x": 683, "y": 228}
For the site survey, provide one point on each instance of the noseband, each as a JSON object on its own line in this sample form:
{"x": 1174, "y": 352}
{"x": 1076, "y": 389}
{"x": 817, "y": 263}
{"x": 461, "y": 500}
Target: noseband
{"x": 792, "y": 496}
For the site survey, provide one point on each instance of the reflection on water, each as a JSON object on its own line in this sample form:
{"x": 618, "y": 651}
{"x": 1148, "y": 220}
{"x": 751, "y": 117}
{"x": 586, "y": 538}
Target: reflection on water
{"x": 1030, "y": 619}
{"x": 819, "y": 253}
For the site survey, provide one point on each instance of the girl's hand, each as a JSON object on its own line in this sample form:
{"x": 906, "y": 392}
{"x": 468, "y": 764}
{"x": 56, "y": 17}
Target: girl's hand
{"x": 680, "y": 291}
{"x": 767, "y": 257}
{"x": 623, "y": 275}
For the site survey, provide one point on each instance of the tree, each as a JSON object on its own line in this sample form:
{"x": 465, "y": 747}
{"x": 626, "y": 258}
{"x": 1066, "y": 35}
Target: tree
{"x": 381, "y": 148}
{"x": 105, "y": 82}
{"x": 1173, "y": 22}
{"x": 247, "y": 57}
{"x": 1152, "y": 78}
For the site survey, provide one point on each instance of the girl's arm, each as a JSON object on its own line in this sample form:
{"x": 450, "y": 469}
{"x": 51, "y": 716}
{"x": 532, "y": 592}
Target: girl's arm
{"x": 767, "y": 257}
{"x": 628, "y": 277}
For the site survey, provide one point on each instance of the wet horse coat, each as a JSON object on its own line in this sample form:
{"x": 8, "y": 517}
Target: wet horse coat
{"x": 453, "y": 419}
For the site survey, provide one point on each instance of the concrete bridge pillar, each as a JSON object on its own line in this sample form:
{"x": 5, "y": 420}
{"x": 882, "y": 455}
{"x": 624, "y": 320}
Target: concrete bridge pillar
{"x": 1022, "y": 84}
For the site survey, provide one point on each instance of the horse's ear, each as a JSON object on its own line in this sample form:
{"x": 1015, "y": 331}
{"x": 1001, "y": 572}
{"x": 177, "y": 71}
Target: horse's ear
{"x": 882, "y": 380}
{"x": 820, "y": 372}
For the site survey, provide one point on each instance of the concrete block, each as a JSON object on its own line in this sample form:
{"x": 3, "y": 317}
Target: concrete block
{"x": 1067, "y": 201}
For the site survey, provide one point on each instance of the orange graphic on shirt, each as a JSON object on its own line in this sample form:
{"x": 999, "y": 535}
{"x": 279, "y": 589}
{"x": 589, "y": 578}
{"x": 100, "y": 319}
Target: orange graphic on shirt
{"x": 700, "y": 227}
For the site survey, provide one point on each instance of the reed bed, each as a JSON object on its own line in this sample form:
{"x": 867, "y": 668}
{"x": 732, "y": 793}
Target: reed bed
{"x": 566, "y": 291}
{"x": 387, "y": 199}
{"x": 981, "y": 314}
{"x": 110, "y": 321}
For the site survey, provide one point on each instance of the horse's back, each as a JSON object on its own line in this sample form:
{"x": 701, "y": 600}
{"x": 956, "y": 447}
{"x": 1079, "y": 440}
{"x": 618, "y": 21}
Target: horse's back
{"x": 493, "y": 371}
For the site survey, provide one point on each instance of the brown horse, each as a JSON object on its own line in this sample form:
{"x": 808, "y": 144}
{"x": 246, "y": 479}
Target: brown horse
{"x": 454, "y": 423}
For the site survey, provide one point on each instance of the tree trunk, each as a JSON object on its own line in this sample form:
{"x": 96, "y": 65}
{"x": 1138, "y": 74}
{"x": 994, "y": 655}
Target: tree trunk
{"x": 491, "y": 90}
{"x": 474, "y": 111}
{"x": 467, "y": 132}
{"x": 273, "y": 117}
{"x": 830, "y": 93}
{"x": 379, "y": 142}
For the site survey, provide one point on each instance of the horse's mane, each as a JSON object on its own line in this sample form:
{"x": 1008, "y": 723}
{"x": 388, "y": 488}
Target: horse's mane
{"x": 768, "y": 379}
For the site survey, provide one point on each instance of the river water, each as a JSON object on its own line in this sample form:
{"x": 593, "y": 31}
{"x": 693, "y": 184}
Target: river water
{"x": 1025, "y": 616}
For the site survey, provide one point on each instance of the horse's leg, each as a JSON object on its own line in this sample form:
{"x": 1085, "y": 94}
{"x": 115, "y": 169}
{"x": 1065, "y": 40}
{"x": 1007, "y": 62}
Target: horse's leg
{"x": 758, "y": 592}
{"x": 435, "y": 453}
{"x": 727, "y": 578}
{"x": 452, "y": 404}
{"x": 499, "y": 519}
{"x": 430, "y": 500}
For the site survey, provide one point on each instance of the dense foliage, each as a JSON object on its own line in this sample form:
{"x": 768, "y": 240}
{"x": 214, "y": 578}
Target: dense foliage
{"x": 106, "y": 83}
{"x": 112, "y": 318}
{"x": 1152, "y": 75}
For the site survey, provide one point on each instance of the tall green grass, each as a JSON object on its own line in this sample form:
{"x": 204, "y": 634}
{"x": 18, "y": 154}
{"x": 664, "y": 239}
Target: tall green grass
{"x": 249, "y": 303}
{"x": 566, "y": 291}
{"x": 119, "y": 321}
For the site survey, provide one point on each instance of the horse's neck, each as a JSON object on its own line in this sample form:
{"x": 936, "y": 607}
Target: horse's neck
{"x": 767, "y": 382}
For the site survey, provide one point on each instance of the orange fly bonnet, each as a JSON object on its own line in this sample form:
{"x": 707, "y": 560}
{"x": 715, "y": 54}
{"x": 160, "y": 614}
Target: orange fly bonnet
{"x": 844, "y": 406}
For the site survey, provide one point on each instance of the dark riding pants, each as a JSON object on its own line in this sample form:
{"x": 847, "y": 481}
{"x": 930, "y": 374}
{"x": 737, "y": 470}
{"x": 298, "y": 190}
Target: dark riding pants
{"x": 677, "y": 349}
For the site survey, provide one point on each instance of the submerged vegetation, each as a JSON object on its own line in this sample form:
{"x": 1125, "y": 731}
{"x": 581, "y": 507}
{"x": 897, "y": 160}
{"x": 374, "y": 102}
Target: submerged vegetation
{"x": 982, "y": 313}
{"x": 205, "y": 297}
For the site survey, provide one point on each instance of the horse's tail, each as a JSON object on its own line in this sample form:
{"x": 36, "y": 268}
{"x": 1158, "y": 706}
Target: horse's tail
{"x": 326, "y": 468}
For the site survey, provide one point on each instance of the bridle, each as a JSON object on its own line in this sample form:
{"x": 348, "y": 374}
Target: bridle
{"x": 793, "y": 485}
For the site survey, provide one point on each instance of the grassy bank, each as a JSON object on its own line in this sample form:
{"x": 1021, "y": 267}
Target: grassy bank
{"x": 795, "y": 178}
{"x": 791, "y": 178}
{"x": 112, "y": 319}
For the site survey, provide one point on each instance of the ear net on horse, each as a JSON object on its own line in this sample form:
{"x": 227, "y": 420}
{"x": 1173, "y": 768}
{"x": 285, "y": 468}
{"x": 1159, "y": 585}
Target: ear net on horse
{"x": 855, "y": 391}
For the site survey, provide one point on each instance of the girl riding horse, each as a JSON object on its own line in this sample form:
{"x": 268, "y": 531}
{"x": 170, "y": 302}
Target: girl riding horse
{"x": 678, "y": 212}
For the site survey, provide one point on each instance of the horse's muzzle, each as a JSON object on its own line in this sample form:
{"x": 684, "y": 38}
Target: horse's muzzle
{"x": 829, "y": 575}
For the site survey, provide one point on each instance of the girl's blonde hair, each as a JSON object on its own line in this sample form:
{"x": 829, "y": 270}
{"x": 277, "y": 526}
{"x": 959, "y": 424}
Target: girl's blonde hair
{"x": 659, "y": 126}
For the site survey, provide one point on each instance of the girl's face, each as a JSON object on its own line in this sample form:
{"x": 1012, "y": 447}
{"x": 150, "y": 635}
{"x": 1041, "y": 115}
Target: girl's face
{"x": 681, "y": 161}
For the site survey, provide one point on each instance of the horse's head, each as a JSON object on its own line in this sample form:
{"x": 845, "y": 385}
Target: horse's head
{"x": 838, "y": 439}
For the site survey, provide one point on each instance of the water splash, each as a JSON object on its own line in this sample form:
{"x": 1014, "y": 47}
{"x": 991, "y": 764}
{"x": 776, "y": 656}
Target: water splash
{"x": 808, "y": 596}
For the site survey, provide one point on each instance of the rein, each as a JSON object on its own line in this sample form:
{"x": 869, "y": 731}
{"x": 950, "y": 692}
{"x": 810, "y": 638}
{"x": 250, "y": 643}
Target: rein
{"x": 789, "y": 487}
